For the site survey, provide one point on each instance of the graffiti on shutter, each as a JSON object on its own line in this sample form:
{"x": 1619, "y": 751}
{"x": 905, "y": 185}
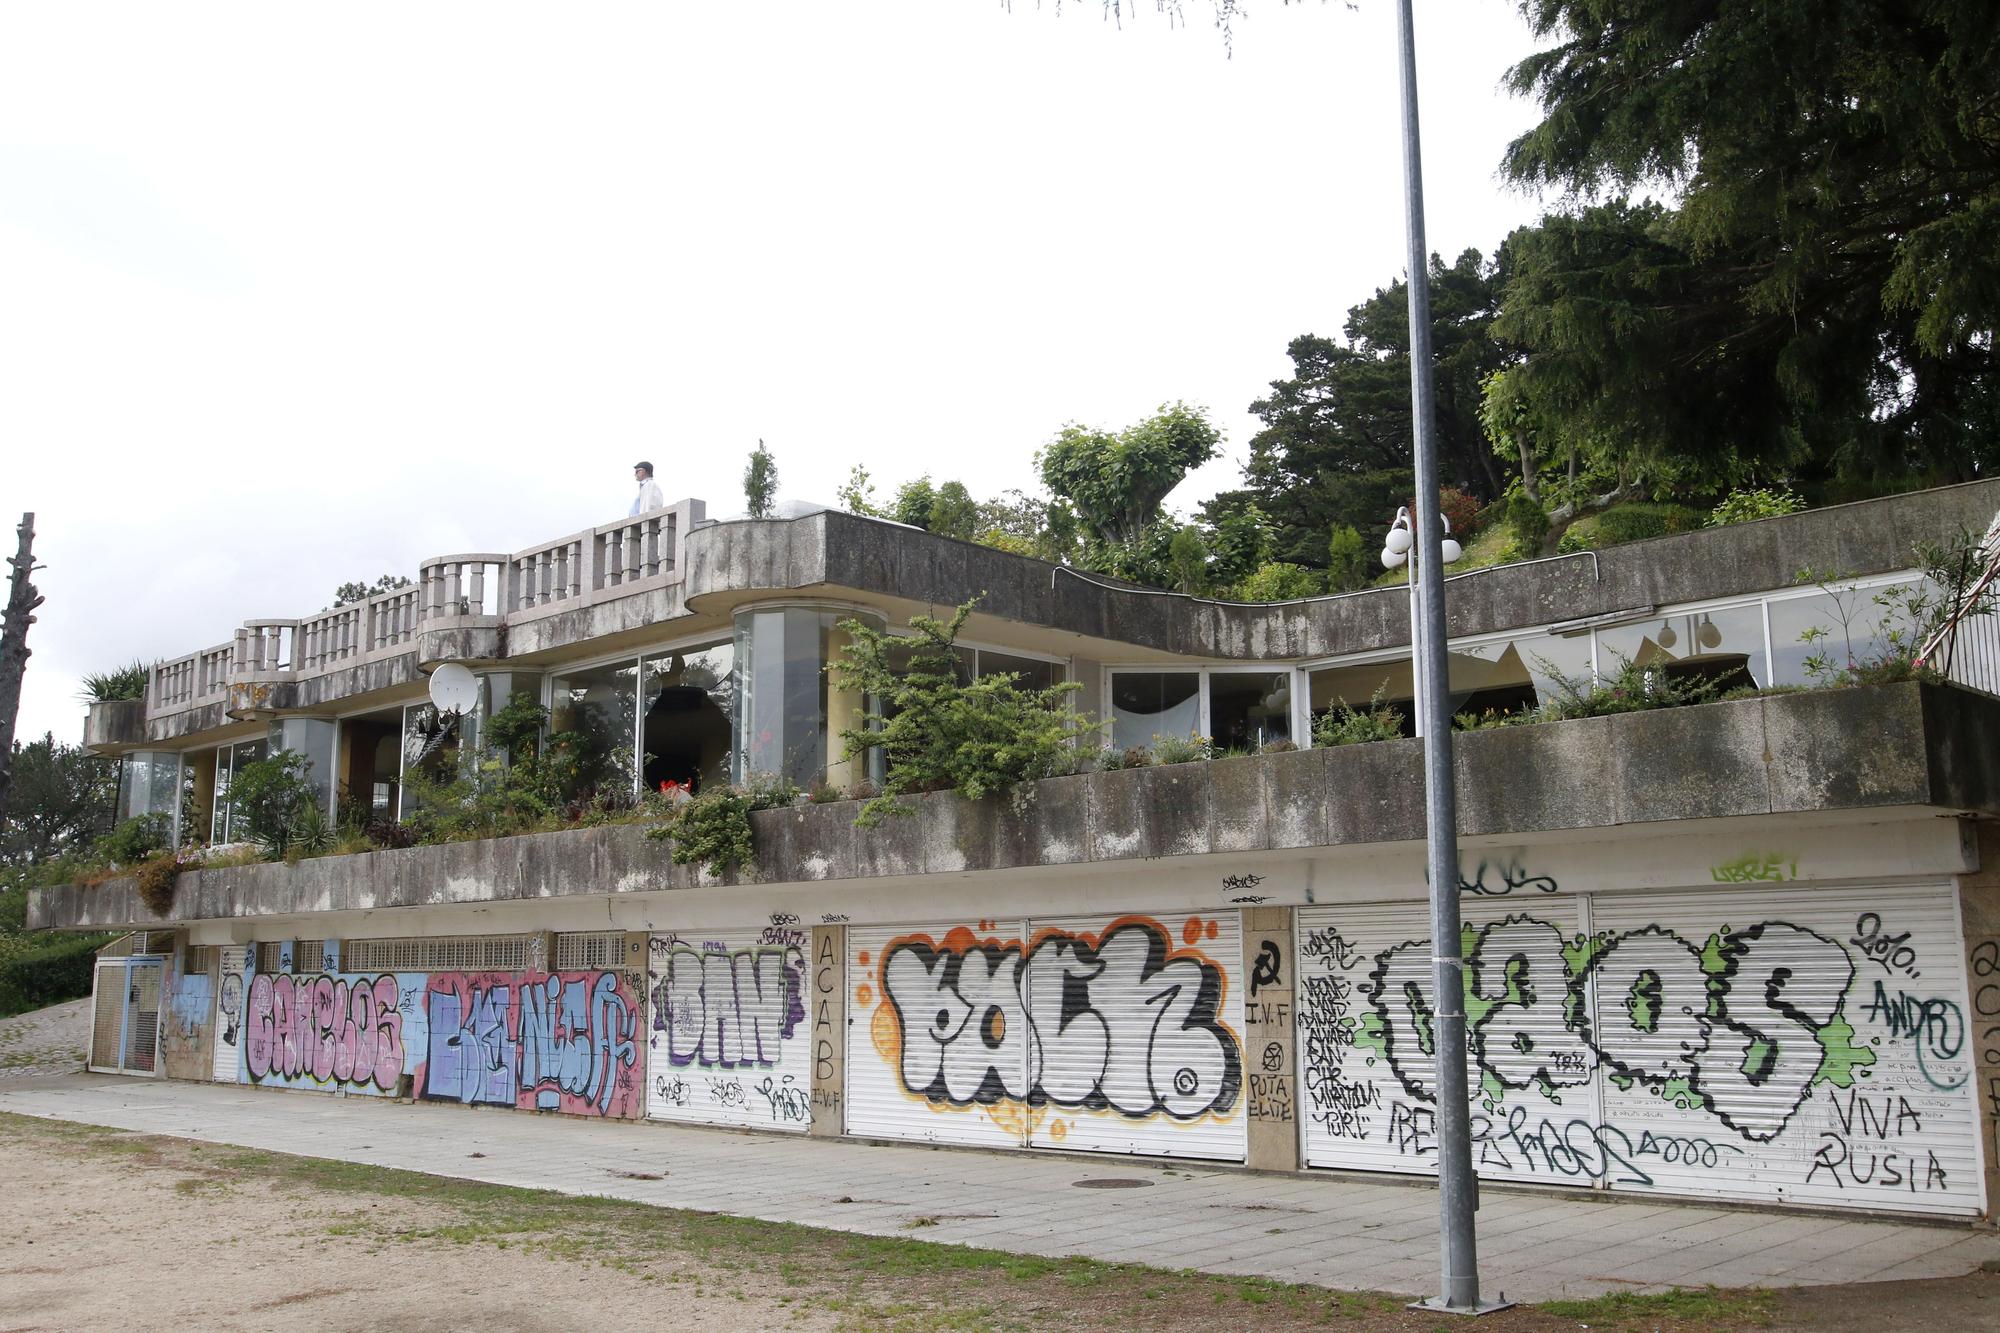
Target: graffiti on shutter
{"x": 727, "y": 1040}
{"x": 229, "y": 1014}
{"x": 1100, "y": 1034}
{"x": 1754, "y": 1044}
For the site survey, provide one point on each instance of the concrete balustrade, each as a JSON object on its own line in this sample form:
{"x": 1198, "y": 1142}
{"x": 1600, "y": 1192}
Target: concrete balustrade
{"x": 623, "y": 558}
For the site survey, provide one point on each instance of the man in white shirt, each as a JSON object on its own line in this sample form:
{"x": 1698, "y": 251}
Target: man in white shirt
{"x": 649, "y": 497}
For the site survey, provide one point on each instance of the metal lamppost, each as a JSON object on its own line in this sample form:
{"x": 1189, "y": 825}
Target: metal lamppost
{"x": 1458, "y": 1188}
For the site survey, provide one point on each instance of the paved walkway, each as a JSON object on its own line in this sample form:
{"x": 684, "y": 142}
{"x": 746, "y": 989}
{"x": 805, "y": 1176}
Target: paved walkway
{"x": 1343, "y": 1233}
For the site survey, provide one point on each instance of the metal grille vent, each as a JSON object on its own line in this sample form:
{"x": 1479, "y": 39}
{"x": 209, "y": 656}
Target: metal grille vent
{"x": 267, "y": 956}
{"x": 308, "y": 955}
{"x": 200, "y": 960}
{"x": 452, "y": 953}
{"x": 595, "y": 949}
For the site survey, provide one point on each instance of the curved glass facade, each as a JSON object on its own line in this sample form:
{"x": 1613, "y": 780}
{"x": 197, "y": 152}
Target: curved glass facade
{"x": 789, "y": 712}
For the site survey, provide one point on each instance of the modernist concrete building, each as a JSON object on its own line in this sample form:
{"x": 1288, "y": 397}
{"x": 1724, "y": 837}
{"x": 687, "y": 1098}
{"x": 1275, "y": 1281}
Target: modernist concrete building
{"x": 1746, "y": 950}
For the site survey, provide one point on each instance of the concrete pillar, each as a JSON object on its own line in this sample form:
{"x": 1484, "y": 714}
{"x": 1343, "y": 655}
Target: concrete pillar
{"x": 1979, "y": 905}
{"x": 634, "y": 974}
{"x": 1270, "y": 1068}
{"x": 828, "y": 998}
{"x": 541, "y": 951}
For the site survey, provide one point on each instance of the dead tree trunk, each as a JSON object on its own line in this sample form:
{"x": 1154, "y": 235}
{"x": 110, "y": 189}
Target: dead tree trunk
{"x": 22, "y": 599}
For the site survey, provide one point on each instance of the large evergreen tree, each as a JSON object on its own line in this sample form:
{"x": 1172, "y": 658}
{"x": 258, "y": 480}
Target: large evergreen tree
{"x": 1826, "y": 287}
{"x": 1335, "y": 447}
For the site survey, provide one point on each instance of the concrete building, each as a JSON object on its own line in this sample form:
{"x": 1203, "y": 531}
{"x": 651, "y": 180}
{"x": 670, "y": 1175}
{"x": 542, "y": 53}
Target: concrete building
{"x": 1745, "y": 950}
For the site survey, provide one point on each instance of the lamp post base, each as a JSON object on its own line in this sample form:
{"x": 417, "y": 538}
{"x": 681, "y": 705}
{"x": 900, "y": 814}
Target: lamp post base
{"x": 1438, "y": 1305}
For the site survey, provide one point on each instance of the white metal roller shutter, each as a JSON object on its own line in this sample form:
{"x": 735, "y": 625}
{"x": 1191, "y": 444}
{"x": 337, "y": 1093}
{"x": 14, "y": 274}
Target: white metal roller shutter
{"x": 1771, "y": 1098}
{"x": 727, "y": 1038}
{"x": 1132, "y": 1047}
{"x": 937, "y": 1033}
{"x": 1365, "y": 1040}
{"x": 229, "y": 1013}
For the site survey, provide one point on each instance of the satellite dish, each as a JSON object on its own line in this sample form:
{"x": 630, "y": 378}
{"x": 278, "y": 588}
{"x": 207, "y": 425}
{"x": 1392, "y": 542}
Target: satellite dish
{"x": 454, "y": 689}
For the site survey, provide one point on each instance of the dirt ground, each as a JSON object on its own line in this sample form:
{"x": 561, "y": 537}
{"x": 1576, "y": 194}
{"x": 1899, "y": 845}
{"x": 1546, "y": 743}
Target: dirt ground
{"x": 124, "y": 1231}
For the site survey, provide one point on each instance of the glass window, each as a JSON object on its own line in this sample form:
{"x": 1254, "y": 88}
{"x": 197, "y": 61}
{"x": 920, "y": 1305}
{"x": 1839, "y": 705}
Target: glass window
{"x": 1355, "y": 686}
{"x": 1145, "y": 704}
{"x": 597, "y": 710}
{"x": 788, "y": 717}
{"x": 1032, "y": 673}
{"x": 149, "y": 784}
{"x": 690, "y": 705}
{"x": 1726, "y": 646}
{"x": 311, "y": 739}
{"x": 225, "y": 827}
{"x": 1845, "y": 626}
{"x": 1249, "y": 709}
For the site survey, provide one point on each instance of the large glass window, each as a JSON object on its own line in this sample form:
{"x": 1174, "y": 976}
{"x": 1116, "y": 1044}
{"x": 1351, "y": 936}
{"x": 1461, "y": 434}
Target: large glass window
{"x": 224, "y": 826}
{"x": 597, "y": 712}
{"x": 1145, "y": 704}
{"x": 1249, "y": 709}
{"x": 1032, "y": 672}
{"x": 690, "y": 701}
{"x": 1725, "y": 646}
{"x": 311, "y": 739}
{"x": 149, "y": 784}
{"x": 1843, "y": 626}
{"x": 1391, "y": 682}
{"x": 789, "y": 716}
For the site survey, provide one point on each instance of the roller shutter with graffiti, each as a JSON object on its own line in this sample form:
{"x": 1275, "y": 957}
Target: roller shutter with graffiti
{"x": 548, "y": 1041}
{"x": 1104, "y": 1034}
{"x": 727, "y": 1041}
{"x": 1797, "y": 1045}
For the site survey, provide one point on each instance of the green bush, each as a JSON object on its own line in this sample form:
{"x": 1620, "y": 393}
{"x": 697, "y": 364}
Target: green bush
{"x": 268, "y": 795}
{"x": 1182, "y": 749}
{"x": 938, "y": 733}
{"x": 1344, "y": 724}
{"x": 711, "y": 830}
{"x": 48, "y": 974}
{"x": 1629, "y": 523}
{"x": 134, "y": 840}
{"x": 1749, "y": 503}
{"x": 1277, "y": 581}
{"x": 1529, "y": 523}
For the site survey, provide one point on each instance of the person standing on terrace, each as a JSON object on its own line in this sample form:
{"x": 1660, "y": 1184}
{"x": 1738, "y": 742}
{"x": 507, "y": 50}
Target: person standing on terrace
{"x": 649, "y": 497}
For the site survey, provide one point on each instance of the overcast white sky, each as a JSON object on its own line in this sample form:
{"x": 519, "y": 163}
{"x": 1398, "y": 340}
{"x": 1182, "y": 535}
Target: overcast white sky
{"x": 296, "y": 294}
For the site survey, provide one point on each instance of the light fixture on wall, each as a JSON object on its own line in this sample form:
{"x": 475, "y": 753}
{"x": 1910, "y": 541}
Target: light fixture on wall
{"x": 1709, "y": 634}
{"x": 1666, "y": 638}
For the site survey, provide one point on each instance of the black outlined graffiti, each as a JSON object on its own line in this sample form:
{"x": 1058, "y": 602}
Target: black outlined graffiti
{"x": 1507, "y": 877}
{"x": 1268, "y": 968}
{"x": 1126, "y": 1024}
{"x": 721, "y": 1008}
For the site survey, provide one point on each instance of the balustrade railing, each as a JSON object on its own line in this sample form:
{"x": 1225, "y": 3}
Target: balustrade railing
{"x": 463, "y": 585}
{"x": 632, "y": 554}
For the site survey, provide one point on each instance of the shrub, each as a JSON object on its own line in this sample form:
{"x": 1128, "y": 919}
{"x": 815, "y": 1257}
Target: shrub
{"x": 1632, "y": 689}
{"x": 1279, "y": 746}
{"x": 712, "y": 830}
{"x": 1277, "y": 581}
{"x": 1114, "y": 759}
{"x": 939, "y": 733}
{"x": 1343, "y": 724}
{"x": 49, "y": 974}
{"x": 1529, "y": 523}
{"x": 821, "y": 792}
{"x": 1629, "y": 523}
{"x": 159, "y": 877}
{"x": 1746, "y": 504}
{"x": 268, "y": 796}
{"x": 121, "y": 683}
{"x": 1347, "y": 560}
{"x": 134, "y": 840}
{"x": 1182, "y": 749}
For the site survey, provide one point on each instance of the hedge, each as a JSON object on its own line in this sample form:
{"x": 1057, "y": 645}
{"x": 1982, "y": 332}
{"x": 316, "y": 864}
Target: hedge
{"x": 48, "y": 975}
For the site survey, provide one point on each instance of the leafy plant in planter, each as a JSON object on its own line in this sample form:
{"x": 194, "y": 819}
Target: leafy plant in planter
{"x": 711, "y": 830}
{"x": 271, "y": 797}
{"x": 938, "y": 733}
{"x": 1344, "y": 724}
{"x": 158, "y": 877}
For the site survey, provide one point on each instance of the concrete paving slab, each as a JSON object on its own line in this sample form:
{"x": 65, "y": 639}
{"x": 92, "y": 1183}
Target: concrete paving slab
{"x": 1347, "y": 1232}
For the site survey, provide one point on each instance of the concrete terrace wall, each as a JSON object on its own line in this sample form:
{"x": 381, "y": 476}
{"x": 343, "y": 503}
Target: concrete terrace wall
{"x": 1856, "y": 749}
{"x": 1873, "y": 536}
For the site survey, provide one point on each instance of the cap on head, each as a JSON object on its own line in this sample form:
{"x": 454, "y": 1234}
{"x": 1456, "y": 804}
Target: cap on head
{"x": 646, "y": 468}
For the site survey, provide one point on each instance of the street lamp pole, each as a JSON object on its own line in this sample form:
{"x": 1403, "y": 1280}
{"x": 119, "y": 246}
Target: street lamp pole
{"x": 1458, "y": 1188}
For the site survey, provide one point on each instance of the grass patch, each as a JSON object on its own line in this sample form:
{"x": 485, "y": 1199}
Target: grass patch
{"x": 1687, "y": 1306}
